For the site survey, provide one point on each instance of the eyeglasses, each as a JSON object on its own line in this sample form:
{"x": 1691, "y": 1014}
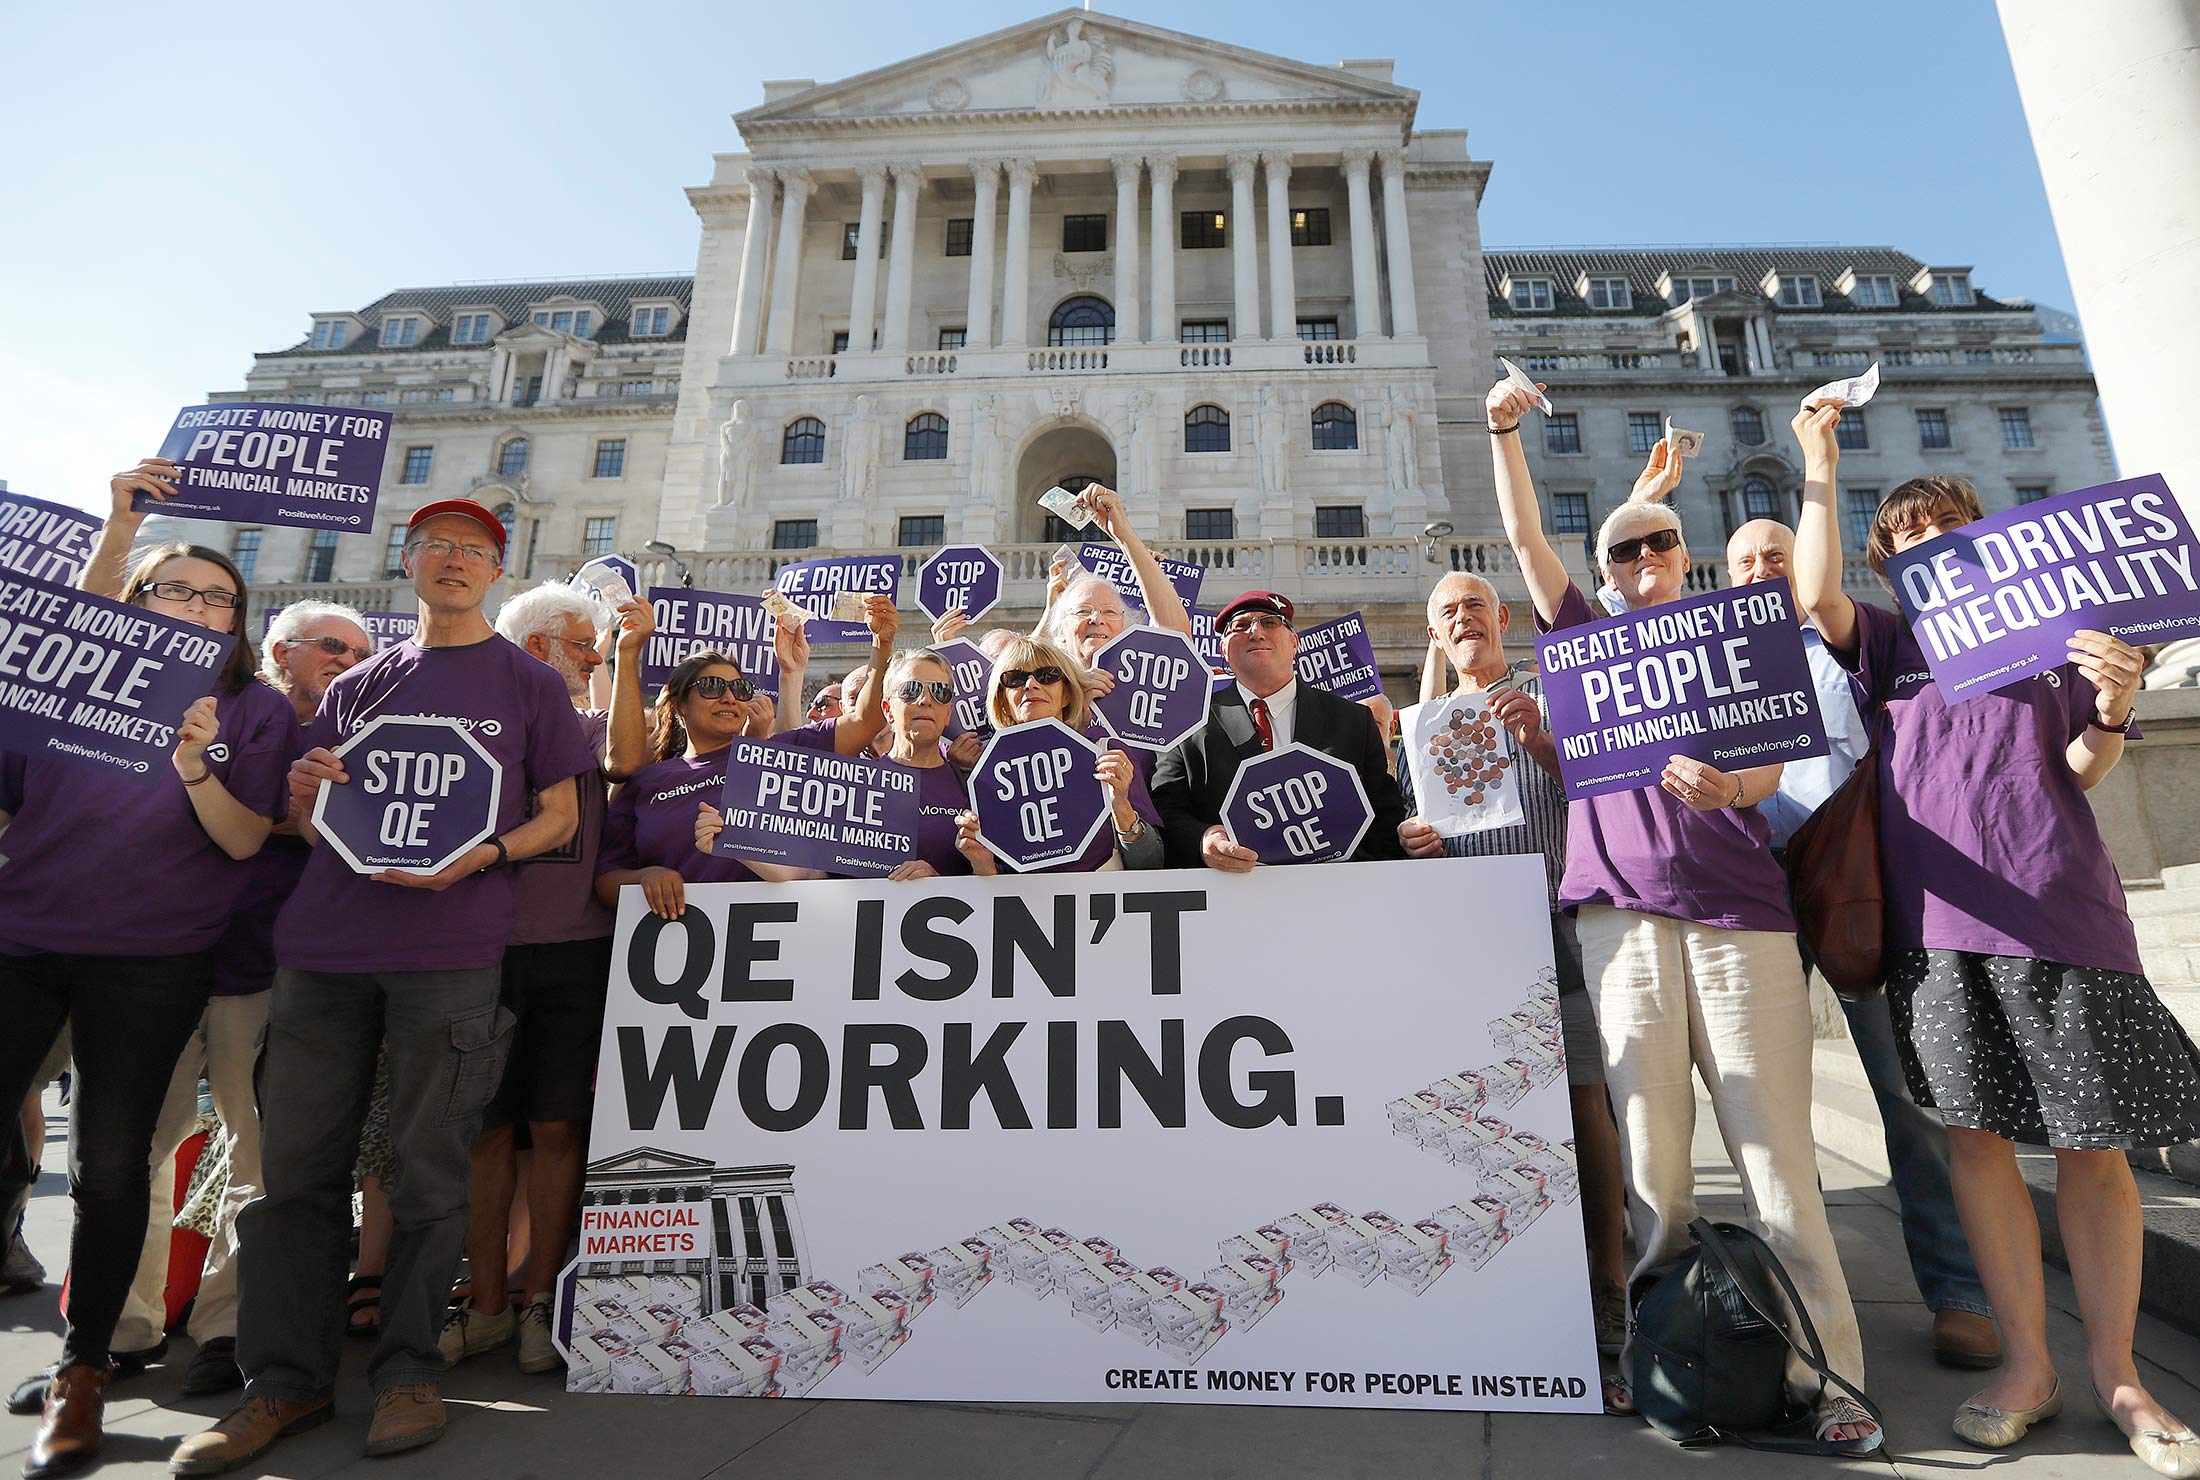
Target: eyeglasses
{"x": 1619, "y": 552}
{"x": 913, "y": 689}
{"x": 712, "y": 686}
{"x": 441, "y": 550}
{"x": 586, "y": 647}
{"x": 179, "y": 593}
{"x": 825, "y": 697}
{"x": 1096, "y": 613}
{"x": 1239, "y": 626}
{"x": 335, "y": 647}
{"x": 1016, "y": 678}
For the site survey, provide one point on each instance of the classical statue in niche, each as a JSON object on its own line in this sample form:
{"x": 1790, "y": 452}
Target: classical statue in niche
{"x": 859, "y": 467}
{"x": 1401, "y": 462}
{"x": 1078, "y": 67}
{"x": 985, "y": 449}
{"x": 1144, "y": 443}
{"x": 737, "y": 441}
{"x": 1268, "y": 436}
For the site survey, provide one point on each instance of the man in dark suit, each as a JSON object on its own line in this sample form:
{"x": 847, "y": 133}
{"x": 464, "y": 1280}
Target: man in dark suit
{"x": 1266, "y": 708}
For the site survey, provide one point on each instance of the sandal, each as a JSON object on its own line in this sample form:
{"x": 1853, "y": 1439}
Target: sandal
{"x": 1619, "y": 1397}
{"x": 368, "y": 1286}
{"x": 1846, "y": 1412}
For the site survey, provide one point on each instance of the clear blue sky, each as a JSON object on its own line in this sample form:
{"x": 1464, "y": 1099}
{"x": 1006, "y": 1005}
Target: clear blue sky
{"x": 180, "y": 186}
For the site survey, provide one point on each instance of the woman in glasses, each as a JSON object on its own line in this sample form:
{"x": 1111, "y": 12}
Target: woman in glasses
{"x": 1033, "y": 681}
{"x": 2021, "y": 1009}
{"x": 1688, "y": 947}
{"x": 920, "y": 700}
{"x": 114, "y": 890}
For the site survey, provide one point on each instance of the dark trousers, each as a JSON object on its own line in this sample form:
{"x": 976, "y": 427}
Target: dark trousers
{"x": 129, "y": 1017}
{"x": 448, "y": 1040}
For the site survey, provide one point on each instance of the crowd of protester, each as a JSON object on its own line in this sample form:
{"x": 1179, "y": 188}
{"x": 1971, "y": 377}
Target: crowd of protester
{"x": 427, "y": 1044}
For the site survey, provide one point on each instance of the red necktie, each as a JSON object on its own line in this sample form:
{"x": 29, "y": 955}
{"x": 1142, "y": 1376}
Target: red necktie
{"x": 1261, "y": 726}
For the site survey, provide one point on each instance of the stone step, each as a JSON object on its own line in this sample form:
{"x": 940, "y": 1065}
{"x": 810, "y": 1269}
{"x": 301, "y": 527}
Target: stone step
{"x": 2179, "y": 929}
{"x": 2181, "y": 876}
{"x": 2171, "y": 967}
{"x": 2150, "y": 902}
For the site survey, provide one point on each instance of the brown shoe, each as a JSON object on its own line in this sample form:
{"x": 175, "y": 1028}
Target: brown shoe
{"x": 247, "y": 1432}
{"x": 69, "y": 1430}
{"x": 405, "y": 1418}
{"x": 1964, "y": 1338}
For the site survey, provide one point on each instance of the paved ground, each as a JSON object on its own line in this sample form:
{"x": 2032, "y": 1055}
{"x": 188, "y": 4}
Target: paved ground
{"x": 509, "y": 1427}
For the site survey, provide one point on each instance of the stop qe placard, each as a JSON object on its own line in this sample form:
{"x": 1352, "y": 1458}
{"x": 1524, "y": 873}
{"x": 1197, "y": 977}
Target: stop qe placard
{"x": 1038, "y": 802}
{"x": 1161, "y": 688}
{"x": 1297, "y": 805}
{"x": 422, "y": 791}
{"x": 964, "y": 578}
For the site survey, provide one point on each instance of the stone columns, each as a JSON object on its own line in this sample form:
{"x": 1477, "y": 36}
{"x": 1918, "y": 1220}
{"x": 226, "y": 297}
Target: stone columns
{"x": 1707, "y": 343}
{"x": 1162, "y": 325}
{"x": 1126, "y": 247}
{"x": 1405, "y": 320}
{"x": 748, "y": 291}
{"x": 907, "y": 179}
{"x": 984, "y": 222}
{"x": 1367, "y": 308}
{"x": 1283, "y": 295}
{"x": 1016, "y": 273}
{"x": 863, "y": 294}
{"x": 1244, "y": 264}
{"x": 794, "y": 206}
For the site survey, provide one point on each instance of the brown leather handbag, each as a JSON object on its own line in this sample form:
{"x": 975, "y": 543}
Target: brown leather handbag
{"x": 1836, "y": 882}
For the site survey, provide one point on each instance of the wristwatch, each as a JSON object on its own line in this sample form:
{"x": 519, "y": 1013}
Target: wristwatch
{"x": 503, "y": 857}
{"x": 2095, "y": 722}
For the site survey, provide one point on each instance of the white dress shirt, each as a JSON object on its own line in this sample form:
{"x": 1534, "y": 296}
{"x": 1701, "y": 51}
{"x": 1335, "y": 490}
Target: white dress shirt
{"x": 1282, "y": 706}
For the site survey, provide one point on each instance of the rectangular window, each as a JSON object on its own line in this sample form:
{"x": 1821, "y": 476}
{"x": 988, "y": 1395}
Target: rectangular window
{"x": 954, "y": 338}
{"x": 649, "y": 323}
{"x": 1799, "y": 292}
{"x": 840, "y": 341}
{"x": 1851, "y": 435}
{"x": 959, "y": 234}
{"x": 1202, "y": 230}
{"x": 1859, "y": 506}
{"x": 925, "y": 531}
{"x": 1340, "y": 522}
{"x": 400, "y": 333}
{"x": 1932, "y": 429}
{"x": 782, "y": 1239}
{"x": 1310, "y": 227}
{"x": 1610, "y": 293}
{"x": 794, "y": 534}
{"x": 329, "y": 334}
{"x": 393, "y": 552}
{"x": 561, "y": 322}
{"x": 1531, "y": 294}
{"x": 1210, "y": 524}
{"x": 1645, "y": 429}
{"x": 1685, "y": 289}
{"x": 1876, "y": 291}
{"x": 611, "y": 457}
{"x": 1569, "y": 513}
{"x": 418, "y": 460}
{"x": 2016, "y": 428}
{"x": 2031, "y": 493}
{"x": 752, "y": 1238}
{"x": 244, "y": 550}
{"x": 1317, "y": 328}
{"x": 600, "y": 535}
{"x": 1951, "y": 290}
{"x": 1205, "y": 331}
{"x": 1084, "y": 233}
{"x": 470, "y": 328}
{"x": 321, "y": 559}
{"x": 848, "y": 233}
{"x": 1562, "y": 432}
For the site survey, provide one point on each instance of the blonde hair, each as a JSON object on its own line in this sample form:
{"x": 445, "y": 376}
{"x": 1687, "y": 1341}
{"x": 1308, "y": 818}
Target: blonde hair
{"x": 1036, "y": 652}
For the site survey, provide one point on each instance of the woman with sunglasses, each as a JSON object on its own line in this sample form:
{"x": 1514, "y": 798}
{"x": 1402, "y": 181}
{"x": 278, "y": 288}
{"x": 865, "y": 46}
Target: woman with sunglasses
{"x": 1688, "y": 947}
{"x": 1033, "y": 681}
{"x": 2021, "y": 1010}
{"x": 113, "y": 894}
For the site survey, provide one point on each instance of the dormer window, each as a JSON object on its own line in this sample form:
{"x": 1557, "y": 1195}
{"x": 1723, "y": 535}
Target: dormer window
{"x": 1945, "y": 287}
{"x": 330, "y": 333}
{"x": 401, "y": 332}
{"x": 572, "y": 321}
{"x": 1682, "y": 289}
{"x": 652, "y": 321}
{"x": 1607, "y": 293}
{"x": 471, "y": 328}
{"x": 1530, "y": 294}
{"x": 1798, "y": 290}
{"x": 1873, "y": 290}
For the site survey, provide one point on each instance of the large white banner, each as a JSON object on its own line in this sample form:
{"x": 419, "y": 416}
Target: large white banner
{"x": 1297, "y": 1137}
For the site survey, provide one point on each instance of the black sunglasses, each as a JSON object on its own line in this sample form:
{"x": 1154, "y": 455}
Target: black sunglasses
{"x": 1659, "y": 541}
{"x": 336, "y": 647}
{"x": 714, "y": 687}
{"x": 913, "y": 689}
{"x": 1016, "y": 678}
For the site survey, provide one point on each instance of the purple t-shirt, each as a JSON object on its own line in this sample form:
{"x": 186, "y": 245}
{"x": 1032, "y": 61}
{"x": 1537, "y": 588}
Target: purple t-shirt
{"x": 244, "y": 960}
{"x": 818, "y": 734}
{"x": 95, "y": 865}
{"x": 941, "y": 796}
{"x": 1986, "y": 840}
{"x": 1646, "y": 850}
{"x": 651, "y": 823}
{"x": 517, "y": 708}
{"x": 557, "y": 889}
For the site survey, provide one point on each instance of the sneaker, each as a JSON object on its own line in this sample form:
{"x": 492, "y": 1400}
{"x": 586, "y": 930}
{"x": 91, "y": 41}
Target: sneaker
{"x": 214, "y": 1369}
{"x": 406, "y": 1418}
{"x": 468, "y": 1332}
{"x": 537, "y": 1353}
{"x": 247, "y": 1433}
{"x": 20, "y": 1272}
{"x": 1609, "y": 1305}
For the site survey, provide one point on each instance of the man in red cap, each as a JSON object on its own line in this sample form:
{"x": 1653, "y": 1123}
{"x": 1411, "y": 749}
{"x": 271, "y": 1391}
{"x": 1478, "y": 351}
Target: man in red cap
{"x": 410, "y": 959}
{"x": 1266, "y": 708}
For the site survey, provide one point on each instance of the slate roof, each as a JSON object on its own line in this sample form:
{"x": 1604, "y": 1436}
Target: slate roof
{"x": 1641, "y": 266}
{"x": 511, "y": 300}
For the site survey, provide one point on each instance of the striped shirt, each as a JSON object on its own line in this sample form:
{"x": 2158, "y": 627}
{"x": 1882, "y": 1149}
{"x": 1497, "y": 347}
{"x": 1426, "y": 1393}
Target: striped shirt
{"x": 1542, "y": 799}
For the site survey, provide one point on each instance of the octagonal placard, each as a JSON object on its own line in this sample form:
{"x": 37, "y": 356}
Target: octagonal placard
{"x": 1161, "y": 687}
{"x": 959, "y": 577}
{"x": 1297, "y": 805}
{"x": 1038, "y": 802}
{"x": 422, "y": 791}
{"x": 972, "y": 671}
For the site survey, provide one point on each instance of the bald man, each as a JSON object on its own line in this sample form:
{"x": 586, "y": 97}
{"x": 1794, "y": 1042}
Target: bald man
{"x": 1917, "y": 1141}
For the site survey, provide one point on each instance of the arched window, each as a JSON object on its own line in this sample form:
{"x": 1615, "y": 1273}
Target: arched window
{"x": 512, "y": 458}
{"x": 925, "y": 438}
{"x": 803, "y": 442}
{"x": 1748, "y": 425}
{"x": 1760, "y": 498}
{"x": 508, "y": 516}
{"x": 1206, "y": 429}
{"x": 1082, "y": 320}
{"x": 1336, "y": 429}
{"x": 1059, "y": 530}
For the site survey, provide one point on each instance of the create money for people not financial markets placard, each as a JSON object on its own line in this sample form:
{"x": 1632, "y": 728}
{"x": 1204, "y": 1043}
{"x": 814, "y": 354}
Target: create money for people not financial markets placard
{"x": 1087, "y": 1138}
{"x": 95, "y": 682}
{"x": 813, "y": 585}
{"x": 844, "y": 814}
{"x": 254, "y": 462}
{"x": 1996, "y": 601}
{"x": 1720, "y": 678}
{"x": 690, "y": 622}
{"x": 1111, "y": 564}
{"x": 44, "y": 541}
{"x": 1339, "y": 656}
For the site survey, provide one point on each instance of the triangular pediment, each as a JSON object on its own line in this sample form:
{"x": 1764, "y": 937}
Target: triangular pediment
{"x": 1076, "y": 60}
{"x": 649, "y": 1159}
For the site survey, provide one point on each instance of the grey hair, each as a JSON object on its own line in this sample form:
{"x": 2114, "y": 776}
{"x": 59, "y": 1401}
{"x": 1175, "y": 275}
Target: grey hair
{"x": 1661, "y": 517}
{"x": 1466, "y": 577}
{"x": 1058, "y": 621}
{"x": 544, "y": 609}
{"x": 292, "y": 620}
{"x": 908, "y": 658}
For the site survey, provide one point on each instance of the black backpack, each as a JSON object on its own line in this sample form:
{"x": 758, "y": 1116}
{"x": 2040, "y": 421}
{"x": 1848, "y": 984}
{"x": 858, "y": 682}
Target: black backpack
{"x": 1710, "y": 1347}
